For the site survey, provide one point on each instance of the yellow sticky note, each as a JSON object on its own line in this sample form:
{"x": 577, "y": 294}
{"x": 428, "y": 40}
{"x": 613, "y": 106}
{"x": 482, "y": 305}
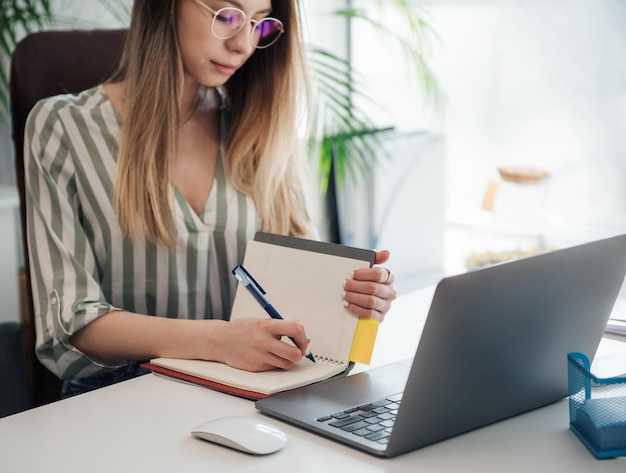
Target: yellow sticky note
{"x": 363, "y": 342}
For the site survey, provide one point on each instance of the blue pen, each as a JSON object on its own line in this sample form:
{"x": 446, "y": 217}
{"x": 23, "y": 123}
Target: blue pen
{"x": 247, "y": 281}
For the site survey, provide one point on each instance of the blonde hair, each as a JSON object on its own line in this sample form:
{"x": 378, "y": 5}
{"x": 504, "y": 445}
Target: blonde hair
{"x": 264, "y": 159}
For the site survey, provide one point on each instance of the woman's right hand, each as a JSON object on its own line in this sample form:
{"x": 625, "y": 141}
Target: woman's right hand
{"x": 256, "y": 344}
{"x": 253, "y": 344}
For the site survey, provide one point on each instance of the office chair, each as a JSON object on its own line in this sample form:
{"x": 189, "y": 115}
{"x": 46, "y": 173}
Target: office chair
{"x": 44, "y": 64}
{"x": 14, "y": 393}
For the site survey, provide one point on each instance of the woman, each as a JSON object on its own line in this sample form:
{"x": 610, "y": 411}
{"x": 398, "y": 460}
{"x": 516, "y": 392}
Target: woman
{"x": 142, "y": 193}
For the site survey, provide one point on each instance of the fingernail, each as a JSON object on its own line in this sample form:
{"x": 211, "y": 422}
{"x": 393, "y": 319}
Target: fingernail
{"x": 345, "y": 303}
{"x": 343, "y": 294}
{"x": 344, "y": 282}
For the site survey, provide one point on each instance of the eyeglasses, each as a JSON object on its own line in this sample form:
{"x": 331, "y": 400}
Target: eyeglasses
{"x": 229, "y": 21}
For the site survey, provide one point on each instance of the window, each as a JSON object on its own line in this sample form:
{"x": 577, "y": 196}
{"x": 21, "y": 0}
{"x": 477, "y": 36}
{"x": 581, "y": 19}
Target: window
{"x": 531, "y": 83}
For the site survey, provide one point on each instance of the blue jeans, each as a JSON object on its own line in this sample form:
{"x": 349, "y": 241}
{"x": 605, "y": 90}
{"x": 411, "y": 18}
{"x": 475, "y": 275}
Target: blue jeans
{"x": 72, "y": 387}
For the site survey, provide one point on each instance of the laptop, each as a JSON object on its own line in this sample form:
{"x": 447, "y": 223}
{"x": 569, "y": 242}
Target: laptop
{"x": 494, "y": 345}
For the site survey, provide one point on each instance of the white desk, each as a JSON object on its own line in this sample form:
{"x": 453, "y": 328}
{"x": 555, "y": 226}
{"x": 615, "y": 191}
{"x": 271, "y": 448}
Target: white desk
{"x": 143, "y": 425}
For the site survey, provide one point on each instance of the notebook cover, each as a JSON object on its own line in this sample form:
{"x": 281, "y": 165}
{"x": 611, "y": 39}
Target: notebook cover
{"x": 224, "y": 388}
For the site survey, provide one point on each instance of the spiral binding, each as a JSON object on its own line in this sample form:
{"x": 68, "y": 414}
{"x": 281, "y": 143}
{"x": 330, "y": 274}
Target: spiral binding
{"x": 328, "y": 360}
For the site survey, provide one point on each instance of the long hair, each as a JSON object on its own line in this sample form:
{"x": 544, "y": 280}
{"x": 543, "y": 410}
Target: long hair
{"x": 152, "y": 68}
{"x": 264, "y": 157}
{"x": 263, "y": 153}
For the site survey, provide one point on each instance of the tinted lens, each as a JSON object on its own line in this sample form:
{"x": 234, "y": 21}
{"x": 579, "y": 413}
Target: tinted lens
{"x": 266, "y": 32}
{"x": 227, "y": 22}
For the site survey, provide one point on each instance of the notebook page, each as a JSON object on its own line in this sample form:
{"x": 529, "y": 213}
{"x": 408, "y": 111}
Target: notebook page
{"x": 305, "y": 286}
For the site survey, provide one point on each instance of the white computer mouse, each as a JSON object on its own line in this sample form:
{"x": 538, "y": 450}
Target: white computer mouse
{"x": 248, "y": 434}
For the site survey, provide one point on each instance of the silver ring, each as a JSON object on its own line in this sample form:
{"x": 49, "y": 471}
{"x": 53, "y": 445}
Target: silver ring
{"x": 388, "y": 276}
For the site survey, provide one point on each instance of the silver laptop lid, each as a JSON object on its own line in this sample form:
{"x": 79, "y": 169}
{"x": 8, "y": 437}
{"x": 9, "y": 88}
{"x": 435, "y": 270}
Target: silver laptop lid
{"x": 496, "y": 340}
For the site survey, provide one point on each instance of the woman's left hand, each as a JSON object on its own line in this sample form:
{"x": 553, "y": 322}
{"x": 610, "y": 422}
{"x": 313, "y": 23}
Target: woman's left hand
{"x": 370, "y": 292}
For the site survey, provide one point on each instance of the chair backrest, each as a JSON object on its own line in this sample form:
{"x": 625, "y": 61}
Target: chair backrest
{"x": 42, "y": 65}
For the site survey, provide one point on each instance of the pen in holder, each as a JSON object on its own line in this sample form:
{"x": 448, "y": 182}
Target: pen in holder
{"x": 597, "y": 408}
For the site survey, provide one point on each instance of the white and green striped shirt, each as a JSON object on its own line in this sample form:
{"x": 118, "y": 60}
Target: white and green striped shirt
{"x": 82, "y": 266}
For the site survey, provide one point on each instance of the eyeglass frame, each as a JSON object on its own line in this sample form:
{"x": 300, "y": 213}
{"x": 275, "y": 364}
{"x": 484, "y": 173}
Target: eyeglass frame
{"x": 252, "y": 21}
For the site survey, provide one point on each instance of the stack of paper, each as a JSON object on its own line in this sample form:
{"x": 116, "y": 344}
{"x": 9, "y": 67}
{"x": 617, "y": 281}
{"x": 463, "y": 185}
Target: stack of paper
{"x": 617, "y": 321}
{"x": 616, "y": 326}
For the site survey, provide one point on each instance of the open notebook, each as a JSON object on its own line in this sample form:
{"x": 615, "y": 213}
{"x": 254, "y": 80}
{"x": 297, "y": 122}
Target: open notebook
{"x": 303, "y": 279}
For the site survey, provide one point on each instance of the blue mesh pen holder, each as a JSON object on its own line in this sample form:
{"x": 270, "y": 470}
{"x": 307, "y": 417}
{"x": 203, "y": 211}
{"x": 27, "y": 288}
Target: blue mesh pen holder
{"x": 597, "y": 408}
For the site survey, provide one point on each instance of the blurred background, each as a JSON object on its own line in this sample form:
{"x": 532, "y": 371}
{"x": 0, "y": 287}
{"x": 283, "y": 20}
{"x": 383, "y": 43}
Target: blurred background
{"x": 509, "y": 140}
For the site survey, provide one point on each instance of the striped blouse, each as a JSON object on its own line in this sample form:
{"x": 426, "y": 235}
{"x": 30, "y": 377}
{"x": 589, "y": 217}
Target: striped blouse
{"x": 81, "y": 264}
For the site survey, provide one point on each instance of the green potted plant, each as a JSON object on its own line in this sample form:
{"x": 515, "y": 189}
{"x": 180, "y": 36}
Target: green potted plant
{"x": 346, "y": 144}
{"x": 17, "y": 18}
{"x": 346, "y": 141}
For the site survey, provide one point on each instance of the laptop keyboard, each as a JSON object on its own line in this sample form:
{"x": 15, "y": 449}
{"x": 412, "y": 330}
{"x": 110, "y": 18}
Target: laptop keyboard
{"x": 372, "y": 421}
